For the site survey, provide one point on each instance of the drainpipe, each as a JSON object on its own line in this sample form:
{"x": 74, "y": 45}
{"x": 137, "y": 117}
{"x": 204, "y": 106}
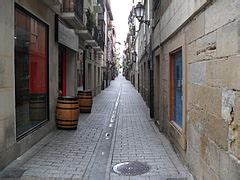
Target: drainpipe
{"x": 151, "y": 78}
{"x": 84, "y": 64}
{"x": 107, "y": 75}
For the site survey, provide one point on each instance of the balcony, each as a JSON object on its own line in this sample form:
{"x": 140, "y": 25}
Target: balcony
{"x": 55, "y": 5}
{"x": 101, "y": 38}
{"x": 72, "y": 13}
{"x": 86, "y": 35}
{"x": 97, "y": 8}
{"x": 93, "y": 42}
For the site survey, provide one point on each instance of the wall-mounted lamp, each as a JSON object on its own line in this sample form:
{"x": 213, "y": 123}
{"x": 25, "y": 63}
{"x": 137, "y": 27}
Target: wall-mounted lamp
{"x": 139, "y": 11}
{"x": 134, "y": 55}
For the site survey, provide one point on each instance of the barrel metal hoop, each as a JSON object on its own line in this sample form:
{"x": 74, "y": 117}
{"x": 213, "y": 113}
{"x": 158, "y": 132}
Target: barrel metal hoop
{"x": 73, "y": 125}
{"x": 62, "y": 102}
{"x": 67, "y": 120}
{"x": 68, "y": 108}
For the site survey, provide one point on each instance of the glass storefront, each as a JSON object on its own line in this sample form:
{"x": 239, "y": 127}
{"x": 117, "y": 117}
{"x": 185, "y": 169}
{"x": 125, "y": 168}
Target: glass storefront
{"x": 31, "y": 81}
{"x": 62, "y": 70}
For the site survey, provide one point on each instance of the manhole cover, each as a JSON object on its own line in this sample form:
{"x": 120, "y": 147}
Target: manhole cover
{"x": 131, "y": 168}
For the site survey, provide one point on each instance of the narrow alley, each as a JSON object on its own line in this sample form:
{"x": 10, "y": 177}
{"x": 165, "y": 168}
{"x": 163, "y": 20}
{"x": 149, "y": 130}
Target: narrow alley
{"x": 118, "y": 130}
{"x": 119, "y": 89}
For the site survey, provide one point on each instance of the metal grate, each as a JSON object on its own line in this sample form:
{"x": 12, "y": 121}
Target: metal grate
{"x": 131, "y": 168}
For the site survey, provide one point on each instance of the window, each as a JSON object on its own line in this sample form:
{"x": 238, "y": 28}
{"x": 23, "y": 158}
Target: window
{"x": 31, "y": 84}
{"x": 176, "y": 89}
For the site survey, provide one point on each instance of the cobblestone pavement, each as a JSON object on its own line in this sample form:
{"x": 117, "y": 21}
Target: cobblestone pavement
{"x": 118, "y": 129}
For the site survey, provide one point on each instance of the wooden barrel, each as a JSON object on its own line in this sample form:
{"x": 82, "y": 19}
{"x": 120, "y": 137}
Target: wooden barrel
{"x": 67, "y": 112}
{"x": 85, "y": 101}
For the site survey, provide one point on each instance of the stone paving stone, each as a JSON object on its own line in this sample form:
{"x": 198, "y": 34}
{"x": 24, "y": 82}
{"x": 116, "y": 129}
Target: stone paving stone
{"x": 138, "y": 178}
{"x": 136, "y": 138}
{"x": 68, "y": 154}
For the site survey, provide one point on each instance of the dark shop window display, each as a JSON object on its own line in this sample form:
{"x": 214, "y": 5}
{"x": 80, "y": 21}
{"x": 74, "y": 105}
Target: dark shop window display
{"x": 31, "y": 81}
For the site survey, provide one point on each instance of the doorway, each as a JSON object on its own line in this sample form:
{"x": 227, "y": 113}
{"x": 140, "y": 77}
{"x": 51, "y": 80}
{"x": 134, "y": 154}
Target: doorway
{"x": 157, "y": 94}
{"x": 62, "y": 71}
{"x": 176, "y": 88}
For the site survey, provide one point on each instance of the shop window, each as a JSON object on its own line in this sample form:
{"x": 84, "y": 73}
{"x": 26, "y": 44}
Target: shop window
{"x": 62, "y": 71}
{"x": 176, "y": 88}
{"x": 31, "y": 82}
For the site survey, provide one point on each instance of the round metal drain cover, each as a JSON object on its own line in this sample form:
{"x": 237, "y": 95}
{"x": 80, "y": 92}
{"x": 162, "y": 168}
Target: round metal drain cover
{"x": 131, "y": 168}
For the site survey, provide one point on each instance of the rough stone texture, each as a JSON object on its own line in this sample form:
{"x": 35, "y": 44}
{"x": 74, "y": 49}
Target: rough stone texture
{"x": 206, "y": 47}
{"x": 226, "y": 39}
{"x": 234, "y": 128}
{"x": 223, "y": 72}
{"x": 197, "y": 73}
{"x": 221, "y": 12}
{"x": 233, "y": 72}
{"x": 191, "y": 52}
{"x": 228, "y": 168}
{"x": 228, "y": 102}
{"x": 210, "y": 43}
{"x": 217, "y": 130}
{"x": 212, "y": 101}
{"x": 212, "y": 155}
{"x": 178, "y": 12}
{"x": 195, "y": 164}
{"x": 211, "y": 105}
{"x": 218, "y": 73}
{"x": 196, "y": 28}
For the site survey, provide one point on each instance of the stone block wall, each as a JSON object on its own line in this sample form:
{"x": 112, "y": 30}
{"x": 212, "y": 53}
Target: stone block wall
{"x": 209, "y": 38}
{"x": 144, "y": 78}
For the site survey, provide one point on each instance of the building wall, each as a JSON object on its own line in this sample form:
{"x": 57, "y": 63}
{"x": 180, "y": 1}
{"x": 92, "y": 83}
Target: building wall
{"x": 213, "y": 85}
{"x": 91, "y": 72}
{"x": 208, "y": 34}
{"x": 7, "y": 94}
{"x": 71, "y": 73}
{"x": 10, "y": 148}
{"x": 143, "y": 52}
{"x": 144, "y": 78}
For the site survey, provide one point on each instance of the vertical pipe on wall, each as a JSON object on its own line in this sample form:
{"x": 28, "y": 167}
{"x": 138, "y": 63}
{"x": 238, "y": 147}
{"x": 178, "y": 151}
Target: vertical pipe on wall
{"x": 151, "y": 78}
{"x": 84, "y": 64}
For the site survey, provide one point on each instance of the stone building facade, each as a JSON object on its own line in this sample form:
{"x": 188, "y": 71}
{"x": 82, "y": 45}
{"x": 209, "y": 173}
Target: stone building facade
{"x": 144, "y": 52}
{"x": 48, "y": 50}
{"x": 12, "y": 141}
{"x": 195, "y": 56}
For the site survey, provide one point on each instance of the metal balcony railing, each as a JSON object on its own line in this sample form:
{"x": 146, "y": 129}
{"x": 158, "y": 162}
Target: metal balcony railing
{"x": 101, "y": 39}
{"x": 95, "y": 33}
{"x": 75, "y": 6}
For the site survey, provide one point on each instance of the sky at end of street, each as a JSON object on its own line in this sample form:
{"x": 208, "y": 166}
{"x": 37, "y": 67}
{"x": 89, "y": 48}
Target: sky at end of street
{"x": 121, "y": 10}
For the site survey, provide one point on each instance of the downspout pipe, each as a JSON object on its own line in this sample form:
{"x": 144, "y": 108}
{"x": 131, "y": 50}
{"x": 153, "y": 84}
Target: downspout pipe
{"x": 84, "y": 69}
{"x": 151, "y": 79}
